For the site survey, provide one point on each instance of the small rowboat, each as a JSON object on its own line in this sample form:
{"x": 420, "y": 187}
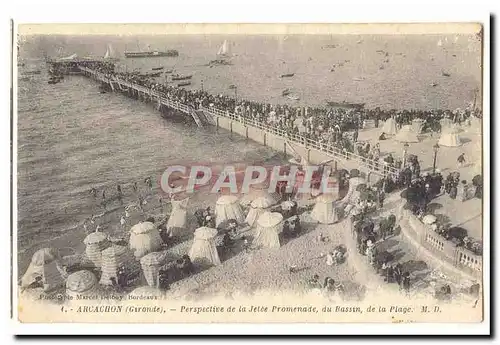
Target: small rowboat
{"x": 181, "y": 77}
{"x": 288, "y": 75}
{"x": 187, "y": 83}
{"x": 157, "y": 68}
{"x": 168, "y": 71}
{"x": 285, "y": 92}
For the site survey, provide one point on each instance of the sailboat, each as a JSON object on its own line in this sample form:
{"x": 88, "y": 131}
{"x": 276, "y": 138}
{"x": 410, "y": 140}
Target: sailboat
{"x": 223, "y": 55}
{"x": 110, "y": 54}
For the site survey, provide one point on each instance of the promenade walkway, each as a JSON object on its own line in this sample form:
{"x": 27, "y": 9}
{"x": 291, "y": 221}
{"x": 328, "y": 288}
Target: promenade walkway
{"x": 209, "y": 115}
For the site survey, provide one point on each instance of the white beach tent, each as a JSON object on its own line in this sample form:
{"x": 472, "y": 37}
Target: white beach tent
{"x": 81, "y": 283}
{"x": 257, "y": 207}
{"x": 203, "y": 249}
{"x": 228, "y": 207}
{"x": 151, "y": 264}
{"x": 352, "y": 194}
{"x": 95, "y": 243}
{"x": 269, "y": 226}
{"x": 324, "y": 210}
{"x": 45, "y": 267}
{"x": 177, "y": 221}
{"x": 389, "y": 127}
{"x": 445, "y": 124}
{"x": 407, "y": 135}
{"x": 450, "y": 138}
{"x": 112, "y": 259}
{"x": 417, "y": 125}
{"x": 256, "y": 191}
{"x": 144, "y": 238}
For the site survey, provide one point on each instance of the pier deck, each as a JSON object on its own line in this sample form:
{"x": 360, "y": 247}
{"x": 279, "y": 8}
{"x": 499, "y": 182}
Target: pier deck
{"x": 211, "y": 116}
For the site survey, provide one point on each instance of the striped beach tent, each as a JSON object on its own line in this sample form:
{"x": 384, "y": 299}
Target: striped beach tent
{"x": 95, "y": 243}
{"x": 269, "y": 225}
{"x": 144, "y": 238}
{"x": 257, "y": 207}
{"x": 45, "y": 268}
{"x": 324, "y": 210}
{"x": 151, "y": 264}
{"x": 113, "y": 258}
{"x": 204, "y": 250}
{"x": 177, "y": 221}
{"x": 228, "y": 207}
{"x": 81, "y": 283}
{"x": 256, "y": 191}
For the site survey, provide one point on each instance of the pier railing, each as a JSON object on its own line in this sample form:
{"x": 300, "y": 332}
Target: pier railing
{"x": 374, "y": 166}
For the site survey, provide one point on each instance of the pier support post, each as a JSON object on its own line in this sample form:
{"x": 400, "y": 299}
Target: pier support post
{"x": 284, "y": 148}
{"x": 217, "y": 122}
{"x": 265, "y": 139}
{"x": 231, "y": 127}
{"x": 335, "y": 166}
{"x": 246, "y": 132}
{"x": 309, "y": 154}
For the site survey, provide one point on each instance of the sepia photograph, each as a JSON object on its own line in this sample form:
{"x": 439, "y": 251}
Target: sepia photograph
{"x": 322, "y": 173}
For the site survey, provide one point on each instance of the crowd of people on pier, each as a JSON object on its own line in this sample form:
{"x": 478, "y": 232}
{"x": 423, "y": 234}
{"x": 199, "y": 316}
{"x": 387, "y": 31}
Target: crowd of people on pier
{"x": 333, "y": 126}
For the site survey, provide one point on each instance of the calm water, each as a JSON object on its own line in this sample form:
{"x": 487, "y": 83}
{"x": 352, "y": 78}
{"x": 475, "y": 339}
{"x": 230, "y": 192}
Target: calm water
{"x": 71, "y": 138}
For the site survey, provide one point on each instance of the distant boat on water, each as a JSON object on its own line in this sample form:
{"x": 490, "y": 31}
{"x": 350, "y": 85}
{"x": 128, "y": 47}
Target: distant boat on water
{"x": 150, "y": 53}
{"x": 223, "y": 55}
{"x": 287, "y": 75}
{"x": 186, "y": 83}
{"x": 181, "y": 77}
{"x": 110, "y": 54}
{"x": 157, "y": 68}
{"x": 344, "y": 104}
{"x": 445, "y": 74}
{"x": 285, "y": 92}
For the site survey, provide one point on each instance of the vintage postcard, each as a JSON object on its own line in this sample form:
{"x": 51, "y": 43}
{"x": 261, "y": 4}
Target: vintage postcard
{"x": 249, "y": 173}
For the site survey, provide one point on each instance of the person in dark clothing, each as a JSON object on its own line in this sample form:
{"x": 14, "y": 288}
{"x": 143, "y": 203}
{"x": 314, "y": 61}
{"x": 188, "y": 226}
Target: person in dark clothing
{"x": 186, "y": 266}
{"x": 163, "y": 280}
{"x": 406, "y": 283}
{"x": 382, "y": 136}
{"x": 286, "y": 229}
{"x": 103, "y": 195}
{"x": 398, "y": 273}
{"x": 461, "y": 159}
{"x": 135, "y": 187}
{"x": 93, "y": 192}
{"x": 119, "y": 190}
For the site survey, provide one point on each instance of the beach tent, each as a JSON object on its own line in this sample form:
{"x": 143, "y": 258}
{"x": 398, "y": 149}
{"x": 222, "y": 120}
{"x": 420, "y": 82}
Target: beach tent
{"x": 151, "y": 264}
{"x": 450, "y": 138}
{"x": 203, "y": 249}
{"x": 45, "y": 267}
{"x": 324, "y": 210}
{"x": 352, "y": 193}
{"x": 228, "y": 207}
{"x": 389, "y": 127}
{"x": 256, "y": 191}
{"x": 177, "y": 221}
{"x": 417, "y": 125}
{"x": 95, "y": 243}
{"x": 445, "y": 124}
{"x": 269, "y": 225}
{"x": 113, "y": 258}
{"x": 81, "y": 283}
{"x": 144, "y": 238}
{"x": 257, "y": 207}
{"x": 407, "y": 135}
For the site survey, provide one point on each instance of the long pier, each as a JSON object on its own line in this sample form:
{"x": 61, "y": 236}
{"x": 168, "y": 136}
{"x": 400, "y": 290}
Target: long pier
{"x": 314, "y": 150}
